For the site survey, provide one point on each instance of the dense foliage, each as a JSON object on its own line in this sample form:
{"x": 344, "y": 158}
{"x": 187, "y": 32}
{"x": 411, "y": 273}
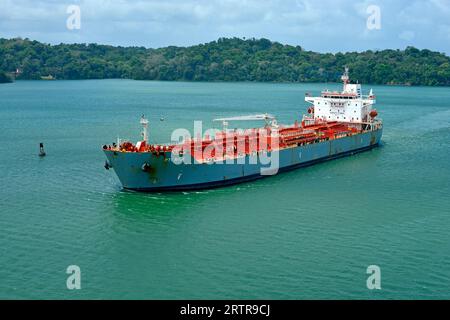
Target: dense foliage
{"x": 4, "y": 78}
{"x": 223, "y": 60}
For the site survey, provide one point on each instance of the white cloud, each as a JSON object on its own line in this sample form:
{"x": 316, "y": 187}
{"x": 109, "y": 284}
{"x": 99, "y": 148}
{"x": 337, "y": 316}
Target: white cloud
{"x": 326, "y": 25}
{"x": 407, "y": 35}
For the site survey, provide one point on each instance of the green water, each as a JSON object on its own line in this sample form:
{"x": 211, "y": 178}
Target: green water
{"x": 307, "y": 234}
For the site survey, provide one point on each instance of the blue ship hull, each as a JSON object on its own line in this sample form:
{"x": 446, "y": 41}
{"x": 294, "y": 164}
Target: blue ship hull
{"x": 164, "y": 175}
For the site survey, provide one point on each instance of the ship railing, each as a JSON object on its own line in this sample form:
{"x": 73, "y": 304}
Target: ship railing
{"x": 373, "y": 126}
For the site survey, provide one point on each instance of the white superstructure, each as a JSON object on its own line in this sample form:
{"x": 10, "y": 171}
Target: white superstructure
{"x": 346, "y": 106}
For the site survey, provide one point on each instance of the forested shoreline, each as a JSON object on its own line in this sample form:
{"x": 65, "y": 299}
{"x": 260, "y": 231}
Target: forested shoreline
{"x": 226, "y": 59}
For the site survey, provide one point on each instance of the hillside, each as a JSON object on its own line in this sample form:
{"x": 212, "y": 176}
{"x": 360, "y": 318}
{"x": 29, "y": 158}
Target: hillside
{"x": 223, "y": 60}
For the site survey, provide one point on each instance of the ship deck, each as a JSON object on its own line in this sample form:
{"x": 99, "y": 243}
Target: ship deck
{"x": 240, "y": 143}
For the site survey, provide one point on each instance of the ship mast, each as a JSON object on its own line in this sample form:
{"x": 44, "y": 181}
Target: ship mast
{"x": 144, "y": 123}
{"x": 345, "y": 78}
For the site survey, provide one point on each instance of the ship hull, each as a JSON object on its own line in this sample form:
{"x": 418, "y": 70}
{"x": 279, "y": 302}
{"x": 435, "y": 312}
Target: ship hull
{"x": 164, "y": 175}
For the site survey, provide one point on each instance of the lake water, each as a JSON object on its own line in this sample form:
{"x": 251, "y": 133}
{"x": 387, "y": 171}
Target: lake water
{"x": 307, "y": 234}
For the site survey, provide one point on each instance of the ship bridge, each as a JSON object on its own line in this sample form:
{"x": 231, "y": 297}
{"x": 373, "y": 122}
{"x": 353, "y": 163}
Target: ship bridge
{"x": 349, "y": 105}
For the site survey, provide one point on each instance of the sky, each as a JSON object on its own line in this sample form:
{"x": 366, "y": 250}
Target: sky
{"x": 317, "y": 25}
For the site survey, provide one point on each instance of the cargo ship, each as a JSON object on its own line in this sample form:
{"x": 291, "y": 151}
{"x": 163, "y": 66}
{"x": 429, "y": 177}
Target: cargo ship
{"x": 337, "y": 124}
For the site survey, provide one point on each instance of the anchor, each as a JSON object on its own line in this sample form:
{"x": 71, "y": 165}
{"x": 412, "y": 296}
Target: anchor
{"x": 107, "y": 165}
